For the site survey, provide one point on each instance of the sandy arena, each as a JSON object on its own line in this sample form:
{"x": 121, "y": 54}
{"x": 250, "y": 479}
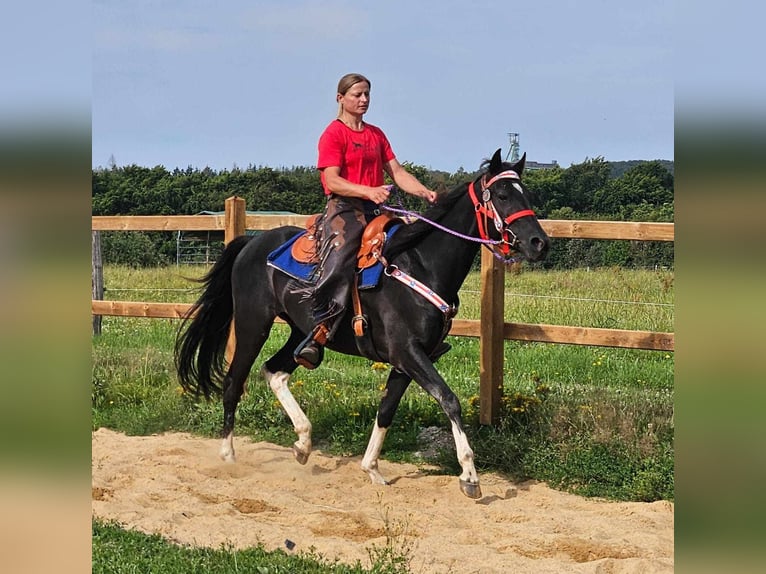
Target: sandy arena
{"x": 175, "y": 485}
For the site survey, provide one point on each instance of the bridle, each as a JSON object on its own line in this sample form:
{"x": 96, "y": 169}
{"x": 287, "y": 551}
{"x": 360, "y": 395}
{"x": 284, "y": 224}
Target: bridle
{"x": 485, "y": 210}
{"x": 501, "y": 249}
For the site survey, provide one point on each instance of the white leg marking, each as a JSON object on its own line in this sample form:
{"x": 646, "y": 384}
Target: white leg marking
{"x": 227, "y": 448}
{"x": 464, "y": 456}
{"x": 372, "y": 454}
{"x": 301, "y": 423}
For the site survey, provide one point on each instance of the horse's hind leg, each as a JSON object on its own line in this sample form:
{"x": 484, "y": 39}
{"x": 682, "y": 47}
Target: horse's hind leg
{"x": 248, "y": 344}
{"x": 395, "y": 386}
{"x": 276, "y": 371}
{"x": 233, "y": 387}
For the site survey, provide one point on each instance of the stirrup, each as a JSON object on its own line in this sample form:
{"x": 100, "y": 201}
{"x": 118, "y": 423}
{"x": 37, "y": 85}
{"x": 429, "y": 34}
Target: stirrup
{"x": 309, "y": 353}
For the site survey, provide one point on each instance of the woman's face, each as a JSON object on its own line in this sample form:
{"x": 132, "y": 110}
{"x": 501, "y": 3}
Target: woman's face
{"x": 356, "y": 100}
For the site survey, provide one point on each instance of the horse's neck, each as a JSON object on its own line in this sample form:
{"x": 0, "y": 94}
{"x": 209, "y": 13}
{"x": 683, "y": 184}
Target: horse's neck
{"x": 453, "y": 255}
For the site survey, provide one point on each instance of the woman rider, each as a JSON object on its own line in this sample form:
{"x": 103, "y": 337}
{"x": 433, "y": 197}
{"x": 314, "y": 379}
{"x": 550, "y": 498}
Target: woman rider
{"x": 353, "y": 157}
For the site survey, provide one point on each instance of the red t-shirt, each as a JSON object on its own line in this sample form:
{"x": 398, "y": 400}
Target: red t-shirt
{"x": 360, "y": 155}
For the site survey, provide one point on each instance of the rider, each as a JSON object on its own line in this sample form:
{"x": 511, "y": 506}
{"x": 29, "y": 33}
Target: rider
{"x": 353, "y": 156}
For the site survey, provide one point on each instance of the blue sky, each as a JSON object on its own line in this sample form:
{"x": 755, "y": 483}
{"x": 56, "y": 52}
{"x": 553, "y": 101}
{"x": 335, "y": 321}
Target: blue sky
{"x": 243, "y": 83}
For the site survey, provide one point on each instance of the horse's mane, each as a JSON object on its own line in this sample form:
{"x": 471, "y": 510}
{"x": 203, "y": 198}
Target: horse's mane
{"x": 415, "y": 232}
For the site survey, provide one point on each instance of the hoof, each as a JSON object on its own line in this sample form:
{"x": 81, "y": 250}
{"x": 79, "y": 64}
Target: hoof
{"x": 227, "y": 456}
{"x": 375, "y": 476}
{"x": 382, "y": 481}
{"x": 470, "y": 489}
{"x": 300, "y": 456}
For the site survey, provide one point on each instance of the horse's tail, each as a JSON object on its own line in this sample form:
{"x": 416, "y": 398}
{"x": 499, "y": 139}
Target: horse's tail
{"x": 201, "y": 340}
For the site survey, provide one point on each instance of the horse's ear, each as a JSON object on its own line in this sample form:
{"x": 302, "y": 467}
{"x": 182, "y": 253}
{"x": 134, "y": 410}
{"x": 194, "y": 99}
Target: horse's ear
{"x": 518, "y": 167}
{"x": 496, "y": 163}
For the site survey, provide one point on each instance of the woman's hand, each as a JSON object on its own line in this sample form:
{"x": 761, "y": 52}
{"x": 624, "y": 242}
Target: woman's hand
{"x": 408, "y": 182}
{"x": 429, "y": 196}
{"x": 379, "y": 194}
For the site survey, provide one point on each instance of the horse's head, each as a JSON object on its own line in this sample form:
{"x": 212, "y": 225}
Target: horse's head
{"x": 504, "y": 212}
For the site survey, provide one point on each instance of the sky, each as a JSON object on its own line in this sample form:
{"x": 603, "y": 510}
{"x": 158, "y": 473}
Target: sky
{"x": 242, "y": 83}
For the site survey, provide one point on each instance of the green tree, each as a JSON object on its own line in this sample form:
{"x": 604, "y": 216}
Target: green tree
{"x": 584, "y": 191}
{"x": 648, "y": 182}
{"x": 546, "y": 186}
{"x": 581, "y": 182}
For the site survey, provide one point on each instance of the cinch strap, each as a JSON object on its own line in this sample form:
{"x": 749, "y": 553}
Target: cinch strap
{"x": 419, "y": 288}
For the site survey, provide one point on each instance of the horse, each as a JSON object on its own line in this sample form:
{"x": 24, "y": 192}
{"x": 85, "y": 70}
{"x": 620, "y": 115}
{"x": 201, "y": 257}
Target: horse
{"x": 404, "y": 328}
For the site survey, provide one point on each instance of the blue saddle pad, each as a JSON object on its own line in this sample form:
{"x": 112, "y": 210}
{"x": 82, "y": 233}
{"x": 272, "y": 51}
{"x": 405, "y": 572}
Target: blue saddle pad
{"x": 281, "y": 258}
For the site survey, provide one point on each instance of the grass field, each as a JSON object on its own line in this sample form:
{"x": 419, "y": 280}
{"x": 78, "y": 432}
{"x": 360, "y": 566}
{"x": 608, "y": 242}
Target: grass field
{"x": 594, "y": 421}
{"x": 116, "y": 550}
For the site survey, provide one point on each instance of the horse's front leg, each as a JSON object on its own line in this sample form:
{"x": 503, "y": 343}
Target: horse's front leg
{"x": 426, "y": 375}
{"x": 278, "y": 383}
{"x": 395, "y": 386}
{"x": 469, "y": 479}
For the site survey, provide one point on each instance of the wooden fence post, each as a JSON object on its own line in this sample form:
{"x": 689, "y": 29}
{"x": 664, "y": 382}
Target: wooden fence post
{"x": 491, "y": 342}
{"x": 235, "y": 216}
{"x": 97, "y": 276}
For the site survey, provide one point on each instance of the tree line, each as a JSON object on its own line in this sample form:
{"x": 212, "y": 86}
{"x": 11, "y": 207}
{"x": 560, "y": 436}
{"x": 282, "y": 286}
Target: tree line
{"x": 592, "y": 190}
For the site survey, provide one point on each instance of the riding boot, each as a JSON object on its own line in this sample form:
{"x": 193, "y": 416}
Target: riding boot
{"x": 310, "y": 352}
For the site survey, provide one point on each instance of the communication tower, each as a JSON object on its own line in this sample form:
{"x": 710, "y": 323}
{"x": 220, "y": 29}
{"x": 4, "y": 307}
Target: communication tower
{"x": 513, "y": 151}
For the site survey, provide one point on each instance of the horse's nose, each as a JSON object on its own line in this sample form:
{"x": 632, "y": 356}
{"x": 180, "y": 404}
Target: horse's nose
{"x": 539, "y": 246}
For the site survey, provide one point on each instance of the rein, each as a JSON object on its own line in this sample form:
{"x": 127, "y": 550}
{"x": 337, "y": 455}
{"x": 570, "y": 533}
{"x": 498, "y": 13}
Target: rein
{"x": 416, "y": 215}
{"x": 483, "y": 213}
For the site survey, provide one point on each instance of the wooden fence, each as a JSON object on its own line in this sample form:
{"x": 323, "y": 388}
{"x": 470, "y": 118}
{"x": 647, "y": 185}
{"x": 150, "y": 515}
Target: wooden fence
{"x": 490, "y": 329}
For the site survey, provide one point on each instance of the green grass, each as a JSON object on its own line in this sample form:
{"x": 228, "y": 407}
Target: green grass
{"x": 590, "y": 420}
{"x": 612, "y": 298}
{"x": 120, "y": 551}
{"x": 607, "y": 298}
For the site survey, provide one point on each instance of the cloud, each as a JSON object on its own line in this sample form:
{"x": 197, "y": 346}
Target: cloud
{"x": 189, "y": 39}
{"x": 155, "y": 37}
{"x": 286, "y": 26}
{"x": 308, "y": 21}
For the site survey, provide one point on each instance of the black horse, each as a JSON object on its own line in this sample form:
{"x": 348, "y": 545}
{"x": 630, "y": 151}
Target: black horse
{"x": 405, "y": 329}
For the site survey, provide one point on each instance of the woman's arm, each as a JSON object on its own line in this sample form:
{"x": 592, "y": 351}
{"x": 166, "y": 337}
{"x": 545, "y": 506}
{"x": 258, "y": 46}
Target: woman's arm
{"x": 341, "y": 186}
{"x": 408, "y": 182}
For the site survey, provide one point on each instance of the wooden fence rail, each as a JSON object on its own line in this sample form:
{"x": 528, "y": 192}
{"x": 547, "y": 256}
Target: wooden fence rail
{"x": 553, "y": 227}
{"x": 490, "y": 329}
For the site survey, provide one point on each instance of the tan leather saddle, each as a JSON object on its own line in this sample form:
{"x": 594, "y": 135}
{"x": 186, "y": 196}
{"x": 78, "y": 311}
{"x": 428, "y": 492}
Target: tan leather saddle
{"x": 305, "y": 250}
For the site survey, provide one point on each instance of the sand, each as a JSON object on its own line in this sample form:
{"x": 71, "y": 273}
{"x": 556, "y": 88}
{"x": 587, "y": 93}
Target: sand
{"x": 176, "y": 486}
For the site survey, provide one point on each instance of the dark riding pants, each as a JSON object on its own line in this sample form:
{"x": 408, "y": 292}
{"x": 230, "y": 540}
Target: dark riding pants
{"x": 341, "y": 231}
